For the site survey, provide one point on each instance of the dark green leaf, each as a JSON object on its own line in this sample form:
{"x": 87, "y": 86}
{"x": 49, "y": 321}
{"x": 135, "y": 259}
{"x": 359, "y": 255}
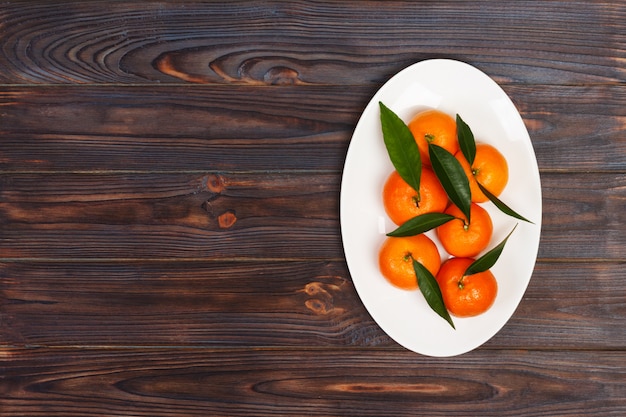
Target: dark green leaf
{"x": 489, "y": 259}
{"x": 500, "y": 205}
{"x": 401, "y": 147}
{"x": 467, "y": 144}
{"x": 452, "y": 177}
{"x": 431, "y": 291}
{"x": 421, "y": 224}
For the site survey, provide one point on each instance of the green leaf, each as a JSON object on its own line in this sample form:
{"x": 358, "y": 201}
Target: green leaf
{"x": 500, "y": 205}
{"x": 421, "y": 224}
{"x": 401, "y": 147}
{"x": 432, "y": 293}
{"x": 489, "y": 259}
{"x": 452, "y": 178}
{"x": 467, "y": 144}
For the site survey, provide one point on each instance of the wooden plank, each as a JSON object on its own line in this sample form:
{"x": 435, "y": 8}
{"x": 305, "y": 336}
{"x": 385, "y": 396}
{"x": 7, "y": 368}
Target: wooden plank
{"x": 115, "y": 128}
{"x": 248, "y": 128}
{"x": 272, "y": 303}
{"x": 347, "y": 382}
{"x": 209, "y": 216}
{"x": 303, "y": 42}
{"x": 252, "y": 215}
{"x": 174, "y": 304}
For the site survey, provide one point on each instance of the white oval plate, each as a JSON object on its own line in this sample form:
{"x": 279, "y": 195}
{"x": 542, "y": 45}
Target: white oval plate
{"x": 453, "y": 87}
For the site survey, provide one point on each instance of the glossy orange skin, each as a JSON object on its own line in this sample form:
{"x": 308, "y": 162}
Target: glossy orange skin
{"x": 401, "y": 200}
{"x": 489, "y": 168}
{"x": 434, "y": 126}
{"x": 466, "y": 296}
{"x": 395, "y": 261}
{"x": 461, "y": 240}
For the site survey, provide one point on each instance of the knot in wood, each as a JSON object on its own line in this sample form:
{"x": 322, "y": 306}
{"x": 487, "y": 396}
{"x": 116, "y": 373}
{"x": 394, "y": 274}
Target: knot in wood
{"x": 215, "y": 183}
{"x": 315, "y": 288}
{"x": 321, "y": 301}
{"x": 282, "y": 76}
{"x": 318, "y": 306}
{"x": 226, "y": 219}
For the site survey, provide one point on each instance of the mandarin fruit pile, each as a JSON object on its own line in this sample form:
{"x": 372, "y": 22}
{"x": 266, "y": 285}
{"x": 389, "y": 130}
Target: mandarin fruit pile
{"x": 463, "y": 295}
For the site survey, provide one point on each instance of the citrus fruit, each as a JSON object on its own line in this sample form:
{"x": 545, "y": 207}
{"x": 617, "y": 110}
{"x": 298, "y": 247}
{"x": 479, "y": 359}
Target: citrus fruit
{"x": 434, "y": 126}
{"x": 466, "y": 240}
{"x": 490, "y": 169}
{"x": 402, "y": 203}
{"x": 466, "y": 296}
{"x": 396, "y": 259}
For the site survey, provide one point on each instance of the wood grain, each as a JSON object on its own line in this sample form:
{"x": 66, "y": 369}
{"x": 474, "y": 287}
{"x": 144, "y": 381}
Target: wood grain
{"x": 88, "y": 128}
{"x": 303, "y": 42}
{"x": 273, "y": 303}
{"x": 209, "y": 216}
{"x": 169, "y": 208}
{"x": 347, "y": 382}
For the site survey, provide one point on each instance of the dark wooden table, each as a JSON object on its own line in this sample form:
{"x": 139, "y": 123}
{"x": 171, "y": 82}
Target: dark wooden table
{"x": 169, "y": 208}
